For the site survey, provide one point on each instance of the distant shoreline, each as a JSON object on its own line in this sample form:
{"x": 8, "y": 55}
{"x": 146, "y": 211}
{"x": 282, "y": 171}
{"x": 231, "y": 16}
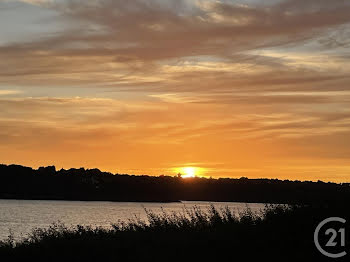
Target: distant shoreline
{"x": 89, "y": 200}
{"x": 47, "y": 183}
{"x": 179, "y": 201}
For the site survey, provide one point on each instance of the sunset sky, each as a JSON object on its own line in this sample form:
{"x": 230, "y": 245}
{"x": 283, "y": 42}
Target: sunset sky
{"x": 235, "y": 88}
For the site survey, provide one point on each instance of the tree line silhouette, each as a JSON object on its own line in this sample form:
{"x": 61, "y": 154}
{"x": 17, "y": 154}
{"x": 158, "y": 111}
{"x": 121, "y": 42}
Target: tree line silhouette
{"x": 19, "y": 182}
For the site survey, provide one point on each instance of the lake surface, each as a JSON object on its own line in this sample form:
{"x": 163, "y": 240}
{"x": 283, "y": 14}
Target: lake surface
{"x": 22, "y": 216}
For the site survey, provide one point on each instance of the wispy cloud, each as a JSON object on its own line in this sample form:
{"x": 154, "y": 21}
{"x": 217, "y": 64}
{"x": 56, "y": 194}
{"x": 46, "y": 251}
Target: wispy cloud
{"x": 9, "y": 92}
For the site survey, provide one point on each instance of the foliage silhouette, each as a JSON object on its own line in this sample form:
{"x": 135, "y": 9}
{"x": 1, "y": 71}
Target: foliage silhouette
{"x": 278, "y": 232}
{"x": 91, "y": 184}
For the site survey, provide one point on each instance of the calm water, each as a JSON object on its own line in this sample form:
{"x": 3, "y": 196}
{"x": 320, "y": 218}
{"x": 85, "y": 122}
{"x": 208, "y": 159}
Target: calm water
{"x": 21, "y": 216}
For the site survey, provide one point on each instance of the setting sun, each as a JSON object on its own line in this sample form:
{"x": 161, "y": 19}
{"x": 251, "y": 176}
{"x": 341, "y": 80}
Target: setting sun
{"x": 189, "y": 171}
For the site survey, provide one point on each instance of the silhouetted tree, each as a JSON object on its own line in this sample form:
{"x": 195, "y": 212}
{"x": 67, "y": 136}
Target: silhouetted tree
{"x": 92, "y": 184}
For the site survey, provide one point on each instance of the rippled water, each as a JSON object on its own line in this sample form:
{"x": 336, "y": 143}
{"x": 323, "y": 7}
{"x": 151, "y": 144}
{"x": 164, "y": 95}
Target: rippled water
{"x": 21, "y": 216}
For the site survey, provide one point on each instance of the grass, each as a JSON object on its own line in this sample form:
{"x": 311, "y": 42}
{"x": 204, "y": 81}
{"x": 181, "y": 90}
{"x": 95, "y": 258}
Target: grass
{"x": 277, "y": 232}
